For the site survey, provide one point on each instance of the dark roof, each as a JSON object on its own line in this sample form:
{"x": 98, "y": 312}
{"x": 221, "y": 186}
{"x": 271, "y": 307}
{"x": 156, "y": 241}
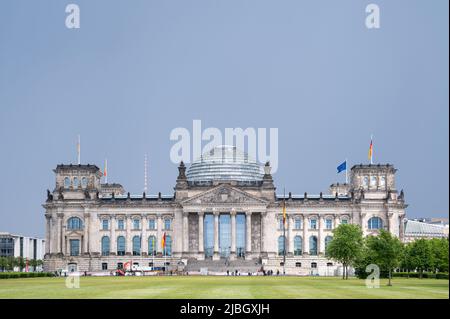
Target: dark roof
{"x": 89, "y": 167}
{"x": 366, "y": 166}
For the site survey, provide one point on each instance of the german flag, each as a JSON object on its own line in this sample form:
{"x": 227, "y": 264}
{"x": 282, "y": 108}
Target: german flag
{"x": 370, "y": 154}
{"x": 163, "y": 241}
{"x": 284, "y": 212}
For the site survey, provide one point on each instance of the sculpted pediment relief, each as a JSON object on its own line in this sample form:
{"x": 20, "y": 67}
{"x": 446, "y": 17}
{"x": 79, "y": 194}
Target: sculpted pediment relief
{"x": 224, "y": 194}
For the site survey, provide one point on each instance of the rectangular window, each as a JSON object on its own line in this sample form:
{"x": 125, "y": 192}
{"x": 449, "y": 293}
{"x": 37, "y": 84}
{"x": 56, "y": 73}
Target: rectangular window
{"x": 167, "y": 224}
{"x": 298, "y": 223}
{"x": 328, "y": 223}
{"x": 313, "y": 224}
{"x": 120, "y": 224}
{"x": 105, "y": 224}
{"x": 74, "y": 247}
{"x": 151, "y": 224}
{"x": 104, "y": 266}
{"x": 136, "y": 224}
{"x": 344, "y": 221}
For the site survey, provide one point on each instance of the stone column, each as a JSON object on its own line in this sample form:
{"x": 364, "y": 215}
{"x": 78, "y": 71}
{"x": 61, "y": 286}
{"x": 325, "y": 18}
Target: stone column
{"x": 86, "y": 232}
{"x": 60, "y": 234}
{"x": 185, "y": 232}
{"x": 129, "y": 244}
{"x": 200, "y": 233}
{"x": 321, "y": 238}
{"x": 248, "y": 233}
{"x": 233, "y": 233}
{"x": 290, "y": 235}
{"x": 305, "y": 235}
{"x": 144, "y": 240}
{"x": 48, "y": 232}
{"x": 112, "y": 236}
{"x": 263, "y": 238}
{"x": 336, "y": 220}
{"x": 216, "y": 234}
{"x": 159, "y": 235}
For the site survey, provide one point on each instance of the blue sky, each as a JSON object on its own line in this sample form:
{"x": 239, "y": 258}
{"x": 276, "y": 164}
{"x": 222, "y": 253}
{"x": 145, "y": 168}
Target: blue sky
{"x": 137, "y": 69}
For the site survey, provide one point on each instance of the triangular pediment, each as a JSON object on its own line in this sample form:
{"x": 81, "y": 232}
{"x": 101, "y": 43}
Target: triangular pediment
{"x": 224, "y": 194}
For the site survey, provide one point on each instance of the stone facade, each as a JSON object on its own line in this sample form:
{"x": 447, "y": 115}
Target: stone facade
{"x": 370, "y": 200}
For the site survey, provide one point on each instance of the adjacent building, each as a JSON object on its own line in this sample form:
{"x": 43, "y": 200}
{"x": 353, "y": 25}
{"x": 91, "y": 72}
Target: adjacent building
{"x": 28, "y": 248}
{"x": 224, "y": 212}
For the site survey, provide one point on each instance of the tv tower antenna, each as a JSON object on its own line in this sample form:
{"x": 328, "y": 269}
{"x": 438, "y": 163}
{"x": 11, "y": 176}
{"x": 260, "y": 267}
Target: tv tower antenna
{"x": 145, "y": 173}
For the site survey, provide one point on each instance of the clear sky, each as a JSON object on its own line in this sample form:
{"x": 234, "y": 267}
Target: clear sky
{"x": 137, "y": 69}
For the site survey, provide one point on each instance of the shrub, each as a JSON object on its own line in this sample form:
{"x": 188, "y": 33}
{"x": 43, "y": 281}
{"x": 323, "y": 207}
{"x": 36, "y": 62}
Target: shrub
{"x": 11, "y": 275}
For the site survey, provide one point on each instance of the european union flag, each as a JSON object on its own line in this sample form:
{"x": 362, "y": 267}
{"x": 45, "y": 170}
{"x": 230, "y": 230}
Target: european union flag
{"x": 342, "y": 167}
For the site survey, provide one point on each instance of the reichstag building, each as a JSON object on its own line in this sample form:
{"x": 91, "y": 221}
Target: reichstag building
{"x": 225, "y": 214}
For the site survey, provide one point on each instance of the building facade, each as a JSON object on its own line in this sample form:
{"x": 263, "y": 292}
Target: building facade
{"x": 224, "y": 207}
{"x": 28, "y": 248}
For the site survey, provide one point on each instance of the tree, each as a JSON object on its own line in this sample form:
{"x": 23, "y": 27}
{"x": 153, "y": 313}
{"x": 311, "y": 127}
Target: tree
{"x": 421, "y": 255}
{"x": 439, "y": 248}
{"x": 386, "y": 251}
{"x": 406, "y": 262}
{"x": 3, "y": 263}
{"x": 346, "y": 245}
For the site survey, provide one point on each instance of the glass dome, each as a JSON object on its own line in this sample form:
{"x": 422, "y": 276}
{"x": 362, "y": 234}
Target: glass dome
{"x": 225, "y": 163}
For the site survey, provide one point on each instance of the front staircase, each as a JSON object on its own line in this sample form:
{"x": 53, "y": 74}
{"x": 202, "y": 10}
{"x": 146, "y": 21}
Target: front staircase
{"x": 223, "y": 265}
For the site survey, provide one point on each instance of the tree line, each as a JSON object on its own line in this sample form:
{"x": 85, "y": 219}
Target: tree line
{"x": 9, "y": 263}
{"x": 385, "y": 250}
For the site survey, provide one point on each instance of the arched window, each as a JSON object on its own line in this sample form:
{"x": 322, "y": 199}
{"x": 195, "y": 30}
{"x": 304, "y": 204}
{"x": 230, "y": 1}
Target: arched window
{"x": 365, "y": 181}
{"x": 84, "y": 182}
{"x": 327, "y": 241}
{"x": 168, "y": 248}
{"x": 313, "y": 245}
{"x": 167, "y": 224}
{"x": 373, "y": 181}
{"x": 74, "y": 223}
{"x": 66, "y": 182}
{"x": 136, "y": 224}
{"x": 313, "y": 223}
{"x": 105, "y": 246}
{"x": 136, "y": 246}
{"x": 344, "y": 221}
{"x": 328, "y": 223}
{"x": 281, "y": 245}
{"x": 121, "y": 246}
{"x": 75, "y": 182}
{"x": 151, "y": 224}
{"x": 382, "y": 181}
{"x": 375, "y": 223}
{"x": 297, "y": 246}
{"x": 152, "y": 245}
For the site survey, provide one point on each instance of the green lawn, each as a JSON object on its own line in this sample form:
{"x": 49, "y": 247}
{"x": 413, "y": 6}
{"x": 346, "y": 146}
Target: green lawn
{"x": 221, "y": 287}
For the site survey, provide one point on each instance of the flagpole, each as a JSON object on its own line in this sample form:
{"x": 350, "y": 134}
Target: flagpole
{"x": 346, "y": 171}
{"x": 79, "y": 150}
{"x": 106, "y": 171}
{"x": 284, "y": 232}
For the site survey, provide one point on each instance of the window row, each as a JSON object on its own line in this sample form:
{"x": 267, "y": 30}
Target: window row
{"x": 313, "y": 223}
{"x": 136, "y": 224}
{"x": 75, "y": 223}
{"x": 298, "y": 245}
{"x": 75, "y": 182}
{"x": 136, "y": 243}
{"x": 374, "y": 181}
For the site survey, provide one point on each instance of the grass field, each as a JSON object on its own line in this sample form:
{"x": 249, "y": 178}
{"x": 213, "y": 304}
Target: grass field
{"x": 221, "y": 287}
